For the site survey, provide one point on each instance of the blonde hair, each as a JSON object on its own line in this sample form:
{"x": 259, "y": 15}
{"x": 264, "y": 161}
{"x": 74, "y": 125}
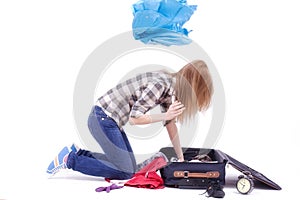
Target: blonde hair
{"x": 193, "y": 88}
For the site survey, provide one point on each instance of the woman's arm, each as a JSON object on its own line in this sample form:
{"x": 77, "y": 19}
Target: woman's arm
{"x": 174, "y": 110}
{"x": 147, "y": 119}
{"x": 171, "y": 128}
{"x": 174, "y": 137}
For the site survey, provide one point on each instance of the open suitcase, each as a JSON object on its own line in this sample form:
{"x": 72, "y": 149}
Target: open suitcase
{"x": 197, "y": 175}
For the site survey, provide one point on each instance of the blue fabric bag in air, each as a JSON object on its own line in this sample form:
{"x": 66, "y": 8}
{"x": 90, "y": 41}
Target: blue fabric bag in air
{"x": 161, "y": 21}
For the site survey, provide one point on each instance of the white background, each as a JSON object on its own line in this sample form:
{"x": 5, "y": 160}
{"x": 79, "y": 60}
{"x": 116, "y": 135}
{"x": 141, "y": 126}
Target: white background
{"x": 43, "y": 44}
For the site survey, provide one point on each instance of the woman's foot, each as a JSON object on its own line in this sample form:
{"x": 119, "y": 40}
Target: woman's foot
{"x": 74, "y": 148}
{"x": 60, "y": 161}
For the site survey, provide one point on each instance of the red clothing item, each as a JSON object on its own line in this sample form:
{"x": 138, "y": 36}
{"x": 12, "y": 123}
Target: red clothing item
{"x": 149, "y": 180}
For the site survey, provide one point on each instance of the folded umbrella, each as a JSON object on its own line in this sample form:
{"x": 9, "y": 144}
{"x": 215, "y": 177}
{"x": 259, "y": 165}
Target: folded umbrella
{"x": 108, "y": 188}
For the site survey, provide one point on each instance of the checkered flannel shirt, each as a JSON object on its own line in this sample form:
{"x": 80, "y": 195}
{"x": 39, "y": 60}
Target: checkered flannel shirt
{"x": 135, "y": 96}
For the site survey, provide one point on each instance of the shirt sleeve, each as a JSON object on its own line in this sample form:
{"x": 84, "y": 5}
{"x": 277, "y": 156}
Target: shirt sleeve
{"x": 164, "y": 108}
{"x": 148, "y": 99}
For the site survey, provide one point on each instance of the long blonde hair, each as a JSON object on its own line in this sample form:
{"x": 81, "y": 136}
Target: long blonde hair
{"x": 193, "y": 88}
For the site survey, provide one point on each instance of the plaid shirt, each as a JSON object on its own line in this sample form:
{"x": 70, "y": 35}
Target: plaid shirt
{"x": 135, "y": 96}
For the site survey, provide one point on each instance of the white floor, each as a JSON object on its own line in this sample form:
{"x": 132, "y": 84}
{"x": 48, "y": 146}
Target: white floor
{"x": 68, "y": 184}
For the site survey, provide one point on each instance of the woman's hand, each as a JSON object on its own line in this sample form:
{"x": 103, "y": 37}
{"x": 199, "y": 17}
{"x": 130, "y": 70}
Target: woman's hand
{"x": 174, "y": 110}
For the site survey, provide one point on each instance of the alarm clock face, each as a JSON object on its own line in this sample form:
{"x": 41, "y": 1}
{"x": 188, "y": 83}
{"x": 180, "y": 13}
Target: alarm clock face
{"x": 244, "y": 185}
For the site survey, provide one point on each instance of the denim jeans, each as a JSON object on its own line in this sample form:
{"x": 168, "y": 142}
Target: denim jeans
{"x": 117, "y": 161}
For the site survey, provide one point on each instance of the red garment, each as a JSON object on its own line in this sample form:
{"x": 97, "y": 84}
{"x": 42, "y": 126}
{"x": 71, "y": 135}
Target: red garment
{"x": 149, "y": 180}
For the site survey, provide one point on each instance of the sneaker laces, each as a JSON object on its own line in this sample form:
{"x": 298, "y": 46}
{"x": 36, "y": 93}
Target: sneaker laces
{"x": 59, "y": 167}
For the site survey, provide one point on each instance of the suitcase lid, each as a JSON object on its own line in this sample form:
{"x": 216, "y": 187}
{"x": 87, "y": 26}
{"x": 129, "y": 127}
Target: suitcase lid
{"x": 244, "y": 169}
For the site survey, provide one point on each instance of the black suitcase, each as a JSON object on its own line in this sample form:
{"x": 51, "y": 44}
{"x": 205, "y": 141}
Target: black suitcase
{"x": 193, "y": 174}
{"x": 197, "y": 175}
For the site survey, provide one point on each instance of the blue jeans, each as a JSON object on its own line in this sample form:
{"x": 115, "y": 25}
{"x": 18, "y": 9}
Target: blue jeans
{"x": 117, "y": 161}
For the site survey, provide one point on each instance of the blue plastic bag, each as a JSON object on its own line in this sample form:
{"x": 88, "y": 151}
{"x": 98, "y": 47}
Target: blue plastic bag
{"x": 161, "y": 21}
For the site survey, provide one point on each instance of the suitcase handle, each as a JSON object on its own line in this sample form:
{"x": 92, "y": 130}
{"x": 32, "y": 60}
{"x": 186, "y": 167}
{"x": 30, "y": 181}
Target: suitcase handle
{"x": 187, "y": 174}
